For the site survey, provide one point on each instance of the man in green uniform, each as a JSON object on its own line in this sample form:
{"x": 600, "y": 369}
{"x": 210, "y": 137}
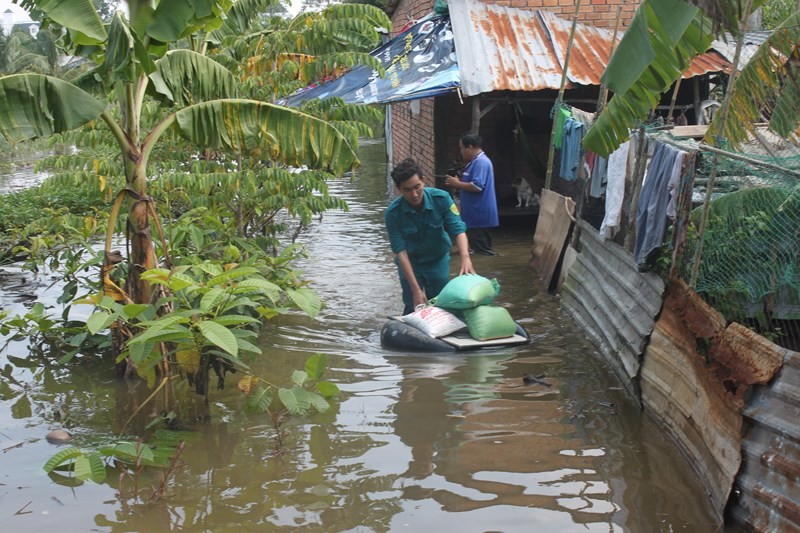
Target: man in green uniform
{"x": 422, "y": 224}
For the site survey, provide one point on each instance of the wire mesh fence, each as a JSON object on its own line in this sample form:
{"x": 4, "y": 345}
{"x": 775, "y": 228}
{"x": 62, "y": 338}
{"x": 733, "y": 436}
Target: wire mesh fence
{"x": 740, "y": 249}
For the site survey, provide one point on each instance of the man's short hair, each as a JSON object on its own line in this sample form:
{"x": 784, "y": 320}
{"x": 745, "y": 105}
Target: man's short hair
{"x": 471, "y": 139}
{"x": 405, "y": 171}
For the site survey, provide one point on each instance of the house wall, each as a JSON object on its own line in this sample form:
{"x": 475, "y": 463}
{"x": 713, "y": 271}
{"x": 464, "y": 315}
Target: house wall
{"x": 412, "y": 124}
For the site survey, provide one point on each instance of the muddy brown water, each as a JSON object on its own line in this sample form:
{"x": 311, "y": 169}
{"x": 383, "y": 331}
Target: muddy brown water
{"x": 417, "y": 442}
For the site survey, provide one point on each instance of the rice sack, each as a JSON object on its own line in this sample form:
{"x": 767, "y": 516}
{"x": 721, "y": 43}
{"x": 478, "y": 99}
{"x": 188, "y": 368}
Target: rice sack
{"x": 467, "y": 291}
{"x": 486, "y": 322}
{"x": 434, "y": 322}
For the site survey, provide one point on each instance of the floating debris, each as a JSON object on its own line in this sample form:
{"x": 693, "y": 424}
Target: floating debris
{"x": 530, "y": 378}
{"x": 59, "y": 436}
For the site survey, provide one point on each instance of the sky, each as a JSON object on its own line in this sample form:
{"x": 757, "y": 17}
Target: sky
{"x": 19, "y": 13}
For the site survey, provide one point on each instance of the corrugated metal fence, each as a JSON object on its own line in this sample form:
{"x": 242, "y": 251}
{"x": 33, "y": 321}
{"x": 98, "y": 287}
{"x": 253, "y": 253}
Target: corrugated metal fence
{"x": 613, "y": 302}
{"x": 743, "y": 439}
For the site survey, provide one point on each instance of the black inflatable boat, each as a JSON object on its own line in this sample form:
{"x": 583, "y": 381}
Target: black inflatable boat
{"x": 397, "y": 335}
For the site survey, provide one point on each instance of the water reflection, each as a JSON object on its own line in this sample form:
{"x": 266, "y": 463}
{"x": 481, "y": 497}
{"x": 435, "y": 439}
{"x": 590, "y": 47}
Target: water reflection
{"x": 416, "y": 442}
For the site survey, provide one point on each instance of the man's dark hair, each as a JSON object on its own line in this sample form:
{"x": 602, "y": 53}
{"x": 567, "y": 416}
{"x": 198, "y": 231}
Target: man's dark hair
{"x": 405, "y": 171}
{"x": 471, "y": 139}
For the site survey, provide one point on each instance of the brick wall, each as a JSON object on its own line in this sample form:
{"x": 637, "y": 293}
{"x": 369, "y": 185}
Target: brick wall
{"x": 602, "y": 13}
{"x": 412, "y": 132}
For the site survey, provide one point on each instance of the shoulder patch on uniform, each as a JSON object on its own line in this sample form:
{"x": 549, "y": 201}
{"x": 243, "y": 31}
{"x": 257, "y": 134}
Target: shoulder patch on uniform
{"x": 454, "y": 209}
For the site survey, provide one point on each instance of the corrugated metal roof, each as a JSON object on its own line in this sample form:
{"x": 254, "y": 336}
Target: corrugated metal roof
{"x": 503, "y": 48}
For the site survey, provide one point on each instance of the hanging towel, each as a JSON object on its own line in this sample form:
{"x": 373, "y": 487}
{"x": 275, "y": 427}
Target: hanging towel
{"x": 562, "y": 115}
{"x": 599, "y": 177}
{"x": 584, "y": 117}
{"x": 571, "y": 150}
{"x": 615, "y": 190}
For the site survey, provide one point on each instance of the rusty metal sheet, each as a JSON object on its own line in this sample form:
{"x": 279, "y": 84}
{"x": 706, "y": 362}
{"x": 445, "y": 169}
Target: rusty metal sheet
{"x": 766, "y": 492}
{"x": 556, "y": 215}
{"x": 748, "y": 356}
{"x": 703, "y": 320}
{"x": 613, "y": 302}
{"x": 684, "y": 395}
{"x": 741, "y": 356}
{"x": 504, "y": 48}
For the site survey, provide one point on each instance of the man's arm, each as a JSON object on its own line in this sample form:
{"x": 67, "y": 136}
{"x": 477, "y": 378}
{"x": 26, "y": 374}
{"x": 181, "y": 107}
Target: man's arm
{"x": 463, "y": 253}
{"x": 453, "y": 181}
{"x": 408, "y": 272}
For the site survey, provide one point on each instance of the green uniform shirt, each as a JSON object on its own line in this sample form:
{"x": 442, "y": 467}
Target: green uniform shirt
{"x": 425, "y": 234}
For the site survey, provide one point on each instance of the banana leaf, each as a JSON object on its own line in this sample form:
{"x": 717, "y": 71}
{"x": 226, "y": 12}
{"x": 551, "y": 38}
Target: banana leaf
{"x": 32, "y": 106}
{"x": 286, "y": 135}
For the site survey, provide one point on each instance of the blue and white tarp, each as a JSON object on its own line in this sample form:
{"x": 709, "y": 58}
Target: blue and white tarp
{"x": 419, "y": 63}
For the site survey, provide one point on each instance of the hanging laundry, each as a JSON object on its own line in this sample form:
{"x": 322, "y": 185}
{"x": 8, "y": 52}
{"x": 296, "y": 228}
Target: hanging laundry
{"x": 584, "y": 117}
{"x": 615, "y": 190}
{"x": 674, "y": 182}
{"x": 599, "y": 177}
{"x": 651, "y": 215}
{"x": 571, "y": 150}
{"x": 561, "y": 117}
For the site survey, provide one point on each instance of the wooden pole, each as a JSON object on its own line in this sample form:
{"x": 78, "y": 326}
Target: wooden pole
{"x": 638, "y": 178}
{"x": 726, "y": 102}
{"x": 602, "y": 100}
{"x": 549, "y": 179}
{"x": 476, "y": 114}
{"x": 670, "y": 119}
{"x": 683, "y": 211}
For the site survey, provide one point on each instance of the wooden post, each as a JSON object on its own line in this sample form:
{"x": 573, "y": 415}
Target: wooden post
{"x": 638, "y": 178}
{"x": 683, "y": 211}
{"x": 549, "y": 179}
{"x": 603, "y": 97}
{"x": 476, "y": 114}
{"x": 671, "y": 120}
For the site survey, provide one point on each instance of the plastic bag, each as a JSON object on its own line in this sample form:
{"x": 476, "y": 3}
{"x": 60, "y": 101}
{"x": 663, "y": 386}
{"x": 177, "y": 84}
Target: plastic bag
{"x": 434, "y": 321}
{"x": 486, "y": 322}
{"x": 467, "y": 291}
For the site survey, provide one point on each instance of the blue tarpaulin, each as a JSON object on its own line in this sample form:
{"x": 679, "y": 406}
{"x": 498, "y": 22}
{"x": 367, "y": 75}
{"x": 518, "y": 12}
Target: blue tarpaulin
{"x": 420, "y": 62}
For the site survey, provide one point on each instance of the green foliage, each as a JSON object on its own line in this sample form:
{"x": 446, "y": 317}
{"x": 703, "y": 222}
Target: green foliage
{"x": 93, "y": 464}
{"x": 277, "y": 58}
{"x": 774, "y": 12}
{"x": 663, "y": 38}
{"x": 750, "y": 253}
{"x": 768, "y": 86}
{"x": 210, "y": 321}
{"x": 308, "y": 392}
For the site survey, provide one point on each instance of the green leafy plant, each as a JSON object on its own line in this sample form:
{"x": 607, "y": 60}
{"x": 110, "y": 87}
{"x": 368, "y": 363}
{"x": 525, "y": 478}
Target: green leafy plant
{"x": 207, "y": 320}
{"x": 128, "y": 456}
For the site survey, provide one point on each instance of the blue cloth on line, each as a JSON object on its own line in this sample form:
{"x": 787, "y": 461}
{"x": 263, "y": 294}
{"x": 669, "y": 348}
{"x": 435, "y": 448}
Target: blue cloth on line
{"x": 651, "y": 214}
{"x": 571, "y": 150}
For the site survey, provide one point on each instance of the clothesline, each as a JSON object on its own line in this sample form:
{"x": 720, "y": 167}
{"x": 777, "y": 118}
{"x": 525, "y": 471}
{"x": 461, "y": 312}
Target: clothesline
{"x": 699, "y": 146}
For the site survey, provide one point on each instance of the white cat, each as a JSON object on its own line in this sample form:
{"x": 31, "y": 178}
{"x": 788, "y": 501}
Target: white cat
{"x": 525, "y": 195}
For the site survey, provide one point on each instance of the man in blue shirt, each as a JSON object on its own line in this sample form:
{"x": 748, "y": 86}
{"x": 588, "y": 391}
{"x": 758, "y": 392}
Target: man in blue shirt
{"x": 476, "y": 186}
{"x": 422, "y": 224}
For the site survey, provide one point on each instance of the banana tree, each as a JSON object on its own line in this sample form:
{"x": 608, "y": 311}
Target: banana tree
{"x": 659, "y": 45}
{"x": 135, "y": 58}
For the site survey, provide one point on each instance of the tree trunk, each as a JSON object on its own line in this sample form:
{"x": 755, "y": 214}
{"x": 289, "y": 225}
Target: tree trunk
{"x": 143, "y": 256}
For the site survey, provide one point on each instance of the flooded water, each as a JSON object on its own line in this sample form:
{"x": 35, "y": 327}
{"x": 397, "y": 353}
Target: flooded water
{"x": 416, "y": 442}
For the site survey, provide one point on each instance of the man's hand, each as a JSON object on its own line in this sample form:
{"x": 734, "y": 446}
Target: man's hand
{"x": 452, "y": 181}
{"x": 419, "y": 297}
{"x": 466, "y": 266}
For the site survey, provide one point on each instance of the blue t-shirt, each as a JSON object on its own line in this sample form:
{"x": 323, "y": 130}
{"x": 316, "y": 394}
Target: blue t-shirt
{"x": 479, "y": 209}
{"x": 425, "y": 234}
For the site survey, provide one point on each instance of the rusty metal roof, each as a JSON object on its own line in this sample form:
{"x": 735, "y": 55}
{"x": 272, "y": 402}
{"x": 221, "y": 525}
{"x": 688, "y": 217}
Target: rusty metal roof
{"x": 503, "y": 48}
